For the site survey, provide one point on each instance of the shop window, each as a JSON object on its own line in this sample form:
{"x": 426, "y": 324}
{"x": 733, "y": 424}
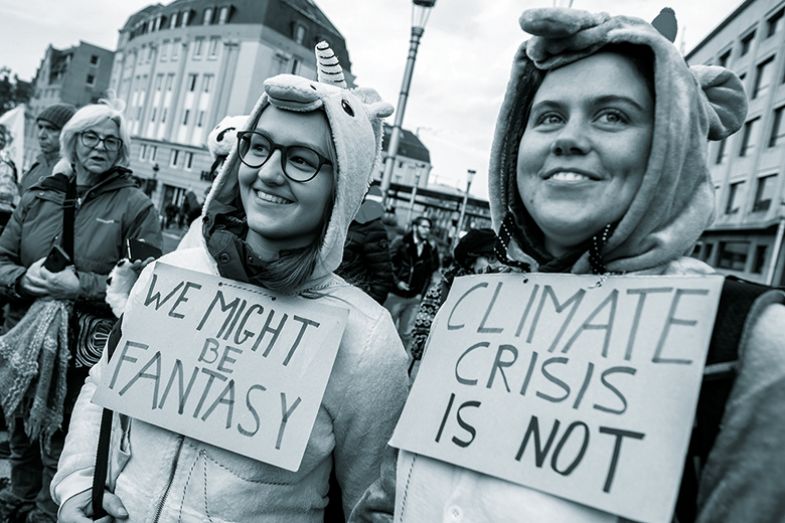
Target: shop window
{"x": 733, "y": 255}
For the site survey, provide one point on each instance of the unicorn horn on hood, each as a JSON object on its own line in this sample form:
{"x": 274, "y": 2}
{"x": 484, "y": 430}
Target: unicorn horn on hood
{"x": 328, "y": 67}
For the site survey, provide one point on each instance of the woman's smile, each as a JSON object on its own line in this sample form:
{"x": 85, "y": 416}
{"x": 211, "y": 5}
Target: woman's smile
{"x": 271, "y": 198}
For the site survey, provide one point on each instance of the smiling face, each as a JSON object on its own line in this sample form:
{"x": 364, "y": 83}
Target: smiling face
{"x": 96, "y": 159}
{"x": 284, "y": 214}
{"x": 584, "y": 151}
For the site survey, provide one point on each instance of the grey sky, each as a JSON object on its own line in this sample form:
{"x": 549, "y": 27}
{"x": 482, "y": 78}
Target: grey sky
{"x": 462, "y": 66}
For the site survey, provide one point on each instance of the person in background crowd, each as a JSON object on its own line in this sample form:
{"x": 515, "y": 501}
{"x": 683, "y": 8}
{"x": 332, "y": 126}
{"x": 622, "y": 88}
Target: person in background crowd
{"x": 366, "y": 255}
{"x": 50, "y": 123}
{"x": 109, "y": 210}
{"x": 598, "y": 166}
{"x": 276, "y": 218}
{"x": 414, "y": 262}
{"x": 474, "y": 254}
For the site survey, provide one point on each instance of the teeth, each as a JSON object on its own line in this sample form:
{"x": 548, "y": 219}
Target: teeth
{"x": 271, "y": 197}
{"x": 569, "y": 177}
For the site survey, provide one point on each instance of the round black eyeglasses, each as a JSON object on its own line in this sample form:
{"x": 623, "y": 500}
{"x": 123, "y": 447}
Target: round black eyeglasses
{"x": 299, "y": 163}
{"x": 90, "y": 139}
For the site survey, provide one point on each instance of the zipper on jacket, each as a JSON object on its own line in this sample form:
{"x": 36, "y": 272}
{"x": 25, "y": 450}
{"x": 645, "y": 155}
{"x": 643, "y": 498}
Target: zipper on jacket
{"x": 159, "y": 508}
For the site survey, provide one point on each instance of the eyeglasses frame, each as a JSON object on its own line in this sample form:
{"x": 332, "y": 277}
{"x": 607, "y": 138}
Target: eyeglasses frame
{"x": 100, "y": 141}
{"x": 279, "y": 147}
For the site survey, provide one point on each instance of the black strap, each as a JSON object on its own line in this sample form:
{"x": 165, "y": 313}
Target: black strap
{"x": 102, "y": 453}
{"x": 736, "y": 301}
{"x": 69, "y": 206}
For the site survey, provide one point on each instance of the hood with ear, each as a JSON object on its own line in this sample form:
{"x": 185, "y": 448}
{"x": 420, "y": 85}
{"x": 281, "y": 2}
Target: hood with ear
{"x": 354, "y": 117}
{"x": 675, "y": 201}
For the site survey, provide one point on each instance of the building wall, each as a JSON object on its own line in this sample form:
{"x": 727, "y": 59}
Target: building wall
{"x": 78, "y": 75}
{"x": 748, "y": 168}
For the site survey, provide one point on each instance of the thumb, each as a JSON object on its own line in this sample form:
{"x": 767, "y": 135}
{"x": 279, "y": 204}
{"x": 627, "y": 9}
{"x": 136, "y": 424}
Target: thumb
{"x": 114, "y": 507}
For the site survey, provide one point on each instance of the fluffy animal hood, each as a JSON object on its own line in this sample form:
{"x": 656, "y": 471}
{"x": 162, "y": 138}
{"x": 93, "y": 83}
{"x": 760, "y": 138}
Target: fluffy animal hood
{"x": 354, "y": 117}
{"x": 675, "y": 201}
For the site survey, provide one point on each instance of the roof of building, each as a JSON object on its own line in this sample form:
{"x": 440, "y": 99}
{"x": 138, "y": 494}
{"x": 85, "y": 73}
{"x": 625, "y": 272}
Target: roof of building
{"x": 409, "y": 145}
{"x": 717, "y": 29}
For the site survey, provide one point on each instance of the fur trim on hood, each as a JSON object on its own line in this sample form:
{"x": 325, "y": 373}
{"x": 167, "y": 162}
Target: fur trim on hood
{"x": 675, "y": 201}
{"x": 354, "y": 117}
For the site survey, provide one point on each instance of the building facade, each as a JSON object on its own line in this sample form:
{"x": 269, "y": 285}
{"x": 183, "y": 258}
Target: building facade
{"x": 182, "y": 67}
{"x": 748, "y": 168}
{"x": 78, "y": 75}
{"x": 412, "y": 161}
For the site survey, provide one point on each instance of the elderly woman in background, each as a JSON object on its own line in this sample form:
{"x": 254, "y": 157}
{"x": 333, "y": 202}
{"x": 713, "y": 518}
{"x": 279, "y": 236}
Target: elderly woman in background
{"x": 86, "y": 210}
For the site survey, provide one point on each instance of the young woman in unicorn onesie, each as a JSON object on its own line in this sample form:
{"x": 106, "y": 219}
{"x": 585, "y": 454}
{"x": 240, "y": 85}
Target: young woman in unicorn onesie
{"x": 599, "y": 166}
{"x": 276, "y": 217}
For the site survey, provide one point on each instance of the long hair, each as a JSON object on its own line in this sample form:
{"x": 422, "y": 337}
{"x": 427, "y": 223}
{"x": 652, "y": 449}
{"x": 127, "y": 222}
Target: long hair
{"x": 90, "y": 116}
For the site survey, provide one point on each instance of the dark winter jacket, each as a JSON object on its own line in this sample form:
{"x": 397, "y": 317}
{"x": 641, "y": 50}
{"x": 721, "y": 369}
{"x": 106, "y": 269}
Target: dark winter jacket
{"x": 36, "y": 173}
{"x": 107, "y": 215}
{"x": 411, "y": 269}
{"x": 366, "y": 259}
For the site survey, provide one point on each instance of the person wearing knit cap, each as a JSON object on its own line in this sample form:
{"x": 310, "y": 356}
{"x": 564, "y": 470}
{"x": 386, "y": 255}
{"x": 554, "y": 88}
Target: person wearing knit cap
{"x": 276, "y": 218}
{"x": 50, "y": 122}
{"x": 598, "y": 165}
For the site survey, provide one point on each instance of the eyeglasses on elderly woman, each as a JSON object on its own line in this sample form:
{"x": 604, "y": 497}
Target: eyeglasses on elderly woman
{"x": 91, "y": 139}
{"x": 299, "y": 163}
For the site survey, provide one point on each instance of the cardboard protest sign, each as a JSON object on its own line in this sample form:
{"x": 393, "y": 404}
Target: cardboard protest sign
{"x": 583, "y": 391}
{"x": 223, "y": 362}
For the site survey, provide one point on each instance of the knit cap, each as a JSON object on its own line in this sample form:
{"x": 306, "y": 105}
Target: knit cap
{"x": 57, "y": 114}
{"x": 675, "y": 201}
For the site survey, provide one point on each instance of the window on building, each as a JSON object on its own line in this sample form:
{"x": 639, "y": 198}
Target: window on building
{"x": 186, "y": 17}
{"x": 169, "y": 82}
{"x": 153, "y": 152}
{"x": 748, "y": 136}
{"x": 212, "y": 50}
{"x": 90, "y": 79}
{"x": 186, "y": 114}
{"x": 200, "y": 119}
{"x": 206, "y": 83}
{"x": 724, "y": 58}
{"x": 722, "y": 151}
{"x": 150, "y": 51}
{"x": 764, "y": 192}
{"x": 208, "y": 16}
{"x": 143, "y": 152}
{"x": 189, "y": 160}
{"x": 746, "y": 43}
{"x": 93, "y": 59}
{"x": 763, "y": 76}
{"x": 734, "y": 198}
{"x": 153, "y": 114}
{"x": 150, "y": 25}
{"x": 163, "y": 115}
{"x": 198, "y": 41}
{"x": 173, "y": 20}
{"x": 774, "y": 23}
{"x": 174, "y": 157}
{"x": 176, "y": 49}
{"x": 223, "y": 14}
{"x": 295, "y": 66}
{"x": 733, "y": 255}
{"x": 164, "y": 50}
{"x": 298, "y": 33}
{"x": 192, "y": 82}
{"x": 759, "y": 259}
{"x": 777, "y": 135}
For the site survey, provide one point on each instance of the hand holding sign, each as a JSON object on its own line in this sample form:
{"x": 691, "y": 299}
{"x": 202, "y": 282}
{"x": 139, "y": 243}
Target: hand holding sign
{"x": 225, "y": 363}
{"x": 554, "y": 383}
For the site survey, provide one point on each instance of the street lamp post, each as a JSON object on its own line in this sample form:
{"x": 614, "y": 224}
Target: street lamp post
{"x": 469, "y": 178}
{"x": 421, "y": 9}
